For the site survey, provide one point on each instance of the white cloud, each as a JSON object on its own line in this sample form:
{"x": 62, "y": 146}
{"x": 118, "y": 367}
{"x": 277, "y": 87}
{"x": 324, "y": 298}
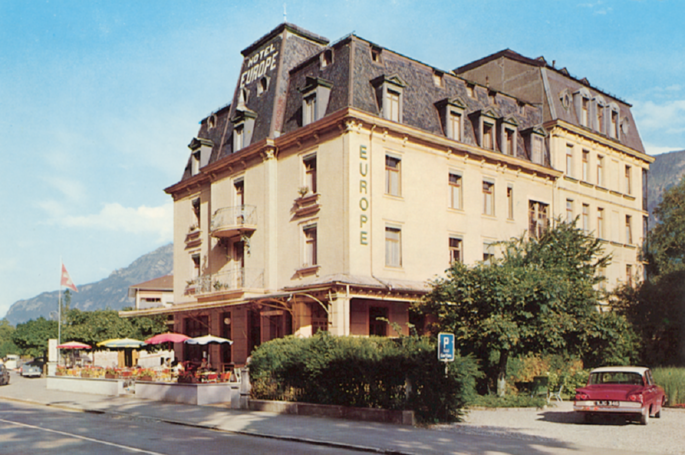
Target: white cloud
{"x": 668, "y": 117}
{"x": 652, "y": 149}
{"x": 140, "y": 220}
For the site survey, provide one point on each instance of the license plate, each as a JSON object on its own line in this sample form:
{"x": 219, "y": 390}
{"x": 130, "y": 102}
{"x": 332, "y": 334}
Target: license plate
{"x": 613, "y": 404}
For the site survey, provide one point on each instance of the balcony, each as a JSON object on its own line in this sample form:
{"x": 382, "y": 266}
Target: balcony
{"x": 234, "y": 221}
{"x": 229, "y": 282}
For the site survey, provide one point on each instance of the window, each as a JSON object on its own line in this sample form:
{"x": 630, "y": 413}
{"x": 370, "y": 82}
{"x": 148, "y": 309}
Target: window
{"x": 586, "y": 218}
{"x": 393, "y": 247}
{"x": 238, "y": 138}
{"x": 569, "y": 211}
{"x": 600, "y": 170}
{"x": 392, "y": 105}
{"x": 488, "y": 136}
{"x": 310, "y": 173}
{"x": 195, "y": 163}
{"x": 537, "y": 152}
{"x": 600, "y": 223}
{"x": 539, "y": 213}
{"x": 310, "y": 258}
{"x": 392, "y": 175}
{"x": 378, "y": 321}
{"x": 488, "y": 252}
{"x": 309, "y": 110}
{"x": 510, "y": 202}
{"x": 196, "y": 212}
{"x": 600, "y": 118}
{"x": 454, "y": 125}
{"x": 585, "y": 104}
{"x": 455, "y": 250}
{"x": 239, "y": 188}
{"x": 629, "y": 230}
{"x": 629, "y": 189}
{"x": 455, "y": 190}
{"x": 263, "y": 85}
{"x": 645, "y": 191}
{"x": 586, "y": 164}
{"x": 569, "y": 160}
{"x": 613, "y": 129}
{"x": 509, "y": 142}
{"x": 629, "y": 274}
{"x": 195, "y": 258}
{"x": 488, "y": 198}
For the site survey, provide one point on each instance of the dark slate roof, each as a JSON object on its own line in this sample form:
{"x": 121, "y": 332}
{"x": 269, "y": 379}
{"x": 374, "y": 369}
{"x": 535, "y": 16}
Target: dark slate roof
{"x": 278, "y": 109}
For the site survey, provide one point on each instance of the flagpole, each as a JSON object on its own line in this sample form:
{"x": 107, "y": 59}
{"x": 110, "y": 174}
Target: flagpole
{"x": 59, "y": 311}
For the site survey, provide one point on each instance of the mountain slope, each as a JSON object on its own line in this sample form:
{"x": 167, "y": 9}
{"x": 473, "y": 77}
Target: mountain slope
{"x": 109, "y": 293}
{"x": 666, "y": 170}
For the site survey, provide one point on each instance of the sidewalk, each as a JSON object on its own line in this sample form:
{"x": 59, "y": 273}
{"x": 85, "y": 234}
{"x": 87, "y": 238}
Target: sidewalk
{"x": 362, "y": 436}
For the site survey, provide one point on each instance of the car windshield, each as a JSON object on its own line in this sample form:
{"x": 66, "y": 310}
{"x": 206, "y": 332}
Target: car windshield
{"x": 615, "y": 377}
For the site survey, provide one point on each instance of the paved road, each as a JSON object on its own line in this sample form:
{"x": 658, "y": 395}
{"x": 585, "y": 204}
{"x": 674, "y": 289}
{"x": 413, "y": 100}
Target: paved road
{"x": 169, "y": 428}
{"x": 36, "y": 430}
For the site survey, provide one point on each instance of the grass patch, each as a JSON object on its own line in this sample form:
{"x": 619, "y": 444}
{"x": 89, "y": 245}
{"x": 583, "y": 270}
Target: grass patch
{"x": 509, "y": 401}
{"x": 673, "y": 381}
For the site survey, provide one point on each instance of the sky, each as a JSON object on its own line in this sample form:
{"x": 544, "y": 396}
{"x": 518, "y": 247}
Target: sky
{"x": 99, "y": 99}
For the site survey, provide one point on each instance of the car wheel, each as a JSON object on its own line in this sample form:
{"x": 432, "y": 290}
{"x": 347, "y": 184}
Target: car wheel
{"x": 644, "y": 419}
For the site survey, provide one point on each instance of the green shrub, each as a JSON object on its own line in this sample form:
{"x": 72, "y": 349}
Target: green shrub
{"x": 673, "y": 382}
{"x": 509, "y": 401}
{"x": 375, "y": 372}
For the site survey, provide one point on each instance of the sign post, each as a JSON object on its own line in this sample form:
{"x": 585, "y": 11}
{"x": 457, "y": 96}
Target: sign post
{"x": 446, "y": 348}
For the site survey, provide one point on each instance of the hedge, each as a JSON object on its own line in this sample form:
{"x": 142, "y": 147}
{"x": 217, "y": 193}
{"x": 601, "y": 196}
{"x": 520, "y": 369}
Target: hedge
{"x": 374, "y": 372}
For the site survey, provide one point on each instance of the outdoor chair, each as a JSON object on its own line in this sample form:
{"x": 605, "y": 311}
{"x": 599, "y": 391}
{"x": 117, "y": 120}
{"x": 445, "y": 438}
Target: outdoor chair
{"x": 556, "y": 395}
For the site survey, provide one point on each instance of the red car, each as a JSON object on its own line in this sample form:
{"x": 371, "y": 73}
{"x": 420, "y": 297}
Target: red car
{"x": 628, "y": 391}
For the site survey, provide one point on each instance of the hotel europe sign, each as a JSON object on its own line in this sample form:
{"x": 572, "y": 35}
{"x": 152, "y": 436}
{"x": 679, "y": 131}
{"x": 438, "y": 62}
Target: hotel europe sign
{"x": 260, "y": 63}
{"x": 364, "y": 204}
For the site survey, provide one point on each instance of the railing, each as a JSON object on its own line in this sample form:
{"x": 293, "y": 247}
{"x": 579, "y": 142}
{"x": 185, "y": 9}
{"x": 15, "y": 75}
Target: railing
{"x": 242, "y": 278}
{"x": 234, "y": 217}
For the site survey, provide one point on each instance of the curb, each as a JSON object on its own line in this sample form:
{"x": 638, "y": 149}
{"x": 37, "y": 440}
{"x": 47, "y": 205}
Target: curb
{"x": 336, "y": 445}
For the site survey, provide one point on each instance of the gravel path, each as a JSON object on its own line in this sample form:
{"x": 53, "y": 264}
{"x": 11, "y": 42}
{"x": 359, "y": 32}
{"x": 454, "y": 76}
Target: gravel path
{"x": 559, "y": 423}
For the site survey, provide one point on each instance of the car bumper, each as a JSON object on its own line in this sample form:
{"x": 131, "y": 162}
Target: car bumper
{"x": 624, "y": 407}
{"x": 32, "y": 374}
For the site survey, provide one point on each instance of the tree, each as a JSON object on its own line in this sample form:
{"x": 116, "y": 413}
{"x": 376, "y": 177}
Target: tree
{"x": 541, "y": 296}
{"x": 32, "y": 337}
{"x": 92, "y": 327}
{"x": 7, "y": 346}
{"x": 666, "y": 242}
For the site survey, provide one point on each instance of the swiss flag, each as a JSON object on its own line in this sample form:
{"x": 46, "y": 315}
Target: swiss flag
{"x": 66, "y": 280}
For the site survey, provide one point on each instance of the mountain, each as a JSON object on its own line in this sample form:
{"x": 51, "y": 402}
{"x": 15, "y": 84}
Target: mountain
{"x": 666, "y": 170}
{"x": 109, "y": 293}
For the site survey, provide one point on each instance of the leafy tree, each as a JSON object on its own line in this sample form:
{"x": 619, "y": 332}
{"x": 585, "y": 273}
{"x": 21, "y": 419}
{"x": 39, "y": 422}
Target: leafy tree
{"x": 541, "y": 296}
{"x": 666, "y": 241}
{"x": 7, "y": 346}
{"x": 32, "y": 337}
{"x": 92, "y": 327}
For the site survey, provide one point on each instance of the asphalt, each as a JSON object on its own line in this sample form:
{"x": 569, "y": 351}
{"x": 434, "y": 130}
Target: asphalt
{"x": 347, "y": 434}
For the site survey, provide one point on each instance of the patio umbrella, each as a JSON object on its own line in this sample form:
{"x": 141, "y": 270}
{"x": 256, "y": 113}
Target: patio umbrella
{"x": 73, "y": 345}
{"x": 168, "y": 337}
{"x": 120, "y": 343}
{"x": 207, "y": 339}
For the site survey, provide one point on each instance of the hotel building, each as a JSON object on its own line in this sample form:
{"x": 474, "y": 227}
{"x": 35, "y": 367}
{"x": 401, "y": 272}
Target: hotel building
{"x": 344, "y": 176}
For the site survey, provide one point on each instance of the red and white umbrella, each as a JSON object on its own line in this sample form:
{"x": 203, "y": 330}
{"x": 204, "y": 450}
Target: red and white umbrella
{"x": 73, "y": 345}
{"x": 168, "y": 337}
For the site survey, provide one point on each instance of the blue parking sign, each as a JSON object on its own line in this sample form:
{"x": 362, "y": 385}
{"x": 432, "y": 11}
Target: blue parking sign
{"x": 446, "y": 347}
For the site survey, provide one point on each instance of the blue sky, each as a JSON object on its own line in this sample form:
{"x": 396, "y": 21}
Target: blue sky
{"x": 99, "y": 99}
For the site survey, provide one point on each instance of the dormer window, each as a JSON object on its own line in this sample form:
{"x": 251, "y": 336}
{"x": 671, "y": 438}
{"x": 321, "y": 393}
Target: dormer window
{"x": 263, "y": 85}
{"x": 599, "y": 106}
{"x": 376, "y": 54}
{"x": 613, "y": 121}
{"x": 389, "y": 95}
{"x": 451, "y": 113}
{"x": 508, "y": 136}
{"x": 534, "y": 139}
{"x": 438, "y": 78}
{"x": 243, "y": 126}
{"x": 326, "y": 58}
{"x": 581, "y": 99}
{"x": 485, "y": 123}
{"x": 315, "y": 95}
{"x": 201, "y": 149}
